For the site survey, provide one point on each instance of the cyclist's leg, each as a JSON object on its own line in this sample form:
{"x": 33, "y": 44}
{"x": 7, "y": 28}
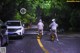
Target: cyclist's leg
{"x": 52, "y": 35}
{"x": 38, "y": 31}
{"x": 38, "y": 34}
{"x": 56, "y": 35}
{"x": 42, "y": 31}
{"x": 51, "y": 31}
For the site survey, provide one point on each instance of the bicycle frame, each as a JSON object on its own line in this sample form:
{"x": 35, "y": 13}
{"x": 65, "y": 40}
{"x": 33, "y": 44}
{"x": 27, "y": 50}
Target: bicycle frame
{"x": 53, "y": 36}
{"x": 40, "y": 34}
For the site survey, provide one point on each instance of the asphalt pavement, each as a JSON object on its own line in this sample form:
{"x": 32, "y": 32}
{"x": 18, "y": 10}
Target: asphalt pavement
{"x": 68, "y": 43}
{"x": 26, "y": 45}
{"x": 29, "y": 44}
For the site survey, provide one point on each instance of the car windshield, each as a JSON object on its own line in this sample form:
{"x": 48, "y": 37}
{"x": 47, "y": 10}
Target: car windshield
{"x": 13, "y": 23}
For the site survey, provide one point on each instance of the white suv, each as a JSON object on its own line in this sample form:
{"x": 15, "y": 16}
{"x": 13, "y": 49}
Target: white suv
{"x": 14, "y": 27}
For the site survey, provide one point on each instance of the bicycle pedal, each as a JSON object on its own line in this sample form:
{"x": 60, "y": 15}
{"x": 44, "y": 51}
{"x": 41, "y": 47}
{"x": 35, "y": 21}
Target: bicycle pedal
{"x": 52, "y": 38}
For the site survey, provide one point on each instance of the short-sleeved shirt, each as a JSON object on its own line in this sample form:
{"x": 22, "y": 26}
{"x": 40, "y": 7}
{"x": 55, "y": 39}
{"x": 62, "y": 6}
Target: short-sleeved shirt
{"x": 40, "y": 25}
{"x": 53, "y": 25}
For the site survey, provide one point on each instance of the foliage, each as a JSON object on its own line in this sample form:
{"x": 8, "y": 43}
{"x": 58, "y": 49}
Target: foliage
{"x": 17, "y": 16}
{"x": 74, "y": 20}
{"x": 66, "y": 14}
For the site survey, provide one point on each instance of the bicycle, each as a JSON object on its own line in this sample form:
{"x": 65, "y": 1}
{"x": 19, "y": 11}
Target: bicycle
{"x": 53, "y": 37}
{"x": 40, "y": 34}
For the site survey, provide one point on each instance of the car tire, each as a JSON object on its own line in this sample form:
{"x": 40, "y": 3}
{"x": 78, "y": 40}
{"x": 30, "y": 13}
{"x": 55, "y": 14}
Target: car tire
{"x": 7, "y": 41}
{"x": 2, "y": 43}
{"x": 21, "y": 35}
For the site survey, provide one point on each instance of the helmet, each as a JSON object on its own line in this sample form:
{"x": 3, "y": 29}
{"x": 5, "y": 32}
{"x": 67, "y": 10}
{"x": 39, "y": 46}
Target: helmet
{"x": 53, "y": 20}
{"x": 40, "y": 20}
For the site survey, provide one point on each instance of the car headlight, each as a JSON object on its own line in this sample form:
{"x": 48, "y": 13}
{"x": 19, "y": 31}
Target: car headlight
{"x": 19, "y": 30}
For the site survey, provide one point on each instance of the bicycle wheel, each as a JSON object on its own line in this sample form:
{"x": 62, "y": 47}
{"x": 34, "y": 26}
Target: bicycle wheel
{"x": 52, "y": 37}
{"x": 39, "y": 36}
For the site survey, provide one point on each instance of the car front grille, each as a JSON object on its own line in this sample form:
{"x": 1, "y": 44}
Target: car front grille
{"x": 11, "y": 30}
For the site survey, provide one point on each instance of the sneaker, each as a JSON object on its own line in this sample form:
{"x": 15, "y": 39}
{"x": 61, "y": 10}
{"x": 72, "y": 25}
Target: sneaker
{"x": 57, "y": 39}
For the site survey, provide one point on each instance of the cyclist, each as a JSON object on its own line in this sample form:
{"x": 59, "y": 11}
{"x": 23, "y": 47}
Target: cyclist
{"x": 40, "y": 26}
{"x": 54, "y": 26}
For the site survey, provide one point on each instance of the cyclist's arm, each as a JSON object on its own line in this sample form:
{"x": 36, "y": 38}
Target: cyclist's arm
{"x": 43, "y": 25}
{"x": 50, "y": 25}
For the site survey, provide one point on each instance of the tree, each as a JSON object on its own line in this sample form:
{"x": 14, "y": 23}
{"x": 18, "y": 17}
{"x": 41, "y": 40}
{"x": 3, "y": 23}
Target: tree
{"x": 7, "y": 10}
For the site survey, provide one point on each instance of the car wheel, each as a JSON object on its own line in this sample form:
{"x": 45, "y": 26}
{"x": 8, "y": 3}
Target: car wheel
{"x": 7, "y": 40}
{"x": 21, "y": 34}
{"x": 2, "y": 42}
